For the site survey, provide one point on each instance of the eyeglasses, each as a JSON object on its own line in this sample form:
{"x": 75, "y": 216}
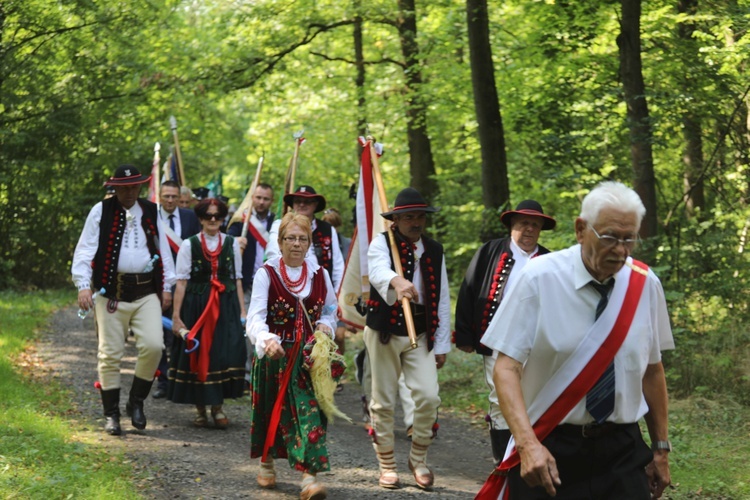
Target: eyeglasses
{"x": 211, "y": 217}
{"x": 608, "y": 241}
{"x": 294, "y": 239}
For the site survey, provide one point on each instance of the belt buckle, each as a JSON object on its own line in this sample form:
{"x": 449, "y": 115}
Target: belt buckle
{"x": 146, "y": 280}
{"x": 589, "y": 430}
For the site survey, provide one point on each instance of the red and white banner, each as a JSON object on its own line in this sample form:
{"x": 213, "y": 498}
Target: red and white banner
{"x": 355, "y": 286}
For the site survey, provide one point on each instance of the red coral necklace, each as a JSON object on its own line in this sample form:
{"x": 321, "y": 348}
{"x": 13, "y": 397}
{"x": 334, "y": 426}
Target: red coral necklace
{"x": 293, "y": 286}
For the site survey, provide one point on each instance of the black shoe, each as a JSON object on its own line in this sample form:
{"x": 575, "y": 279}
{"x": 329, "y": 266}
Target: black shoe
{"x": 160, "y": 393}
{"x": 112, "y": 426}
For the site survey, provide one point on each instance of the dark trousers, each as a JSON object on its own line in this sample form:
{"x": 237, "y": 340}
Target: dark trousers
{"x": 608, "y": 467}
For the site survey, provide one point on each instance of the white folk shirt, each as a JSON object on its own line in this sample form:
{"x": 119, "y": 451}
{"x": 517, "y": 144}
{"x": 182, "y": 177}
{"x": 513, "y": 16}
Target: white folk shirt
{"x": 549, "y": 311}
{"x": 273, "y": 250}
{"x": 381, "y": 274}
{"x": 521, "y": 258}
{"x": 256, "y": 326}
{"x": 185, "y": 255}
{"x": 259, "y": 250}
{"x": 134, "y": 253}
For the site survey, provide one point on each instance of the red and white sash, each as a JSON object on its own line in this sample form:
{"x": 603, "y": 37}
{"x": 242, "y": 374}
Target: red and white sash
{"x": 258, "y": 230}
{"x": 579, "y": 372}
{"x": 175, "y": 242}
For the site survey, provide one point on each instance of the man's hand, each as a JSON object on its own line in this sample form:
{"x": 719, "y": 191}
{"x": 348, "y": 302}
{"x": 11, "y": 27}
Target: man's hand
{"x": 274, "y": 349}
{"x": 538, "y": 467}
{"x": 242, "y": 242}
{"x": 465, "y": 348}
{"x": 404, "y": 288}
{"x": 440, "y": 360}
{"x": 658, "y": 473}
{"x": 166, "y": 300}
{"x": 85, "y": 299}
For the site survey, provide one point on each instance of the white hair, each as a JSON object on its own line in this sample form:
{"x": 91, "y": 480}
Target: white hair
{"x": 615, "y": 195}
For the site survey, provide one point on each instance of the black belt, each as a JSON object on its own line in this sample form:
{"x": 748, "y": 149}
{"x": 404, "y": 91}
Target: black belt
{"x": 592, "y": 430}
{"x": 130, "y": 287}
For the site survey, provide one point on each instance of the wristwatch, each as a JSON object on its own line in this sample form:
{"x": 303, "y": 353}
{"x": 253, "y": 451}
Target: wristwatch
{"x": 661, "y": 445}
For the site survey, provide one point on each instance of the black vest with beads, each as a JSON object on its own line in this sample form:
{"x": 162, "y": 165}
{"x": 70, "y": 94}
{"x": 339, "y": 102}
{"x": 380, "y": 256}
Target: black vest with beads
{"x": 389, "y": 320}
{"x": 111, "y": 229}
{"x": 323, "y": 245}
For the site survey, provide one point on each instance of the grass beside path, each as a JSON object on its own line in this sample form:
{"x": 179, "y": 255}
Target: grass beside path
{"x": 43, "y": 454}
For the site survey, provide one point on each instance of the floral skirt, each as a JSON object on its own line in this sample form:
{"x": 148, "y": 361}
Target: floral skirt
{"x": 301, "y": 433}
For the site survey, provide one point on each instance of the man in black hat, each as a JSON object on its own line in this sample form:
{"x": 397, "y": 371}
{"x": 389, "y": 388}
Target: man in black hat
{"x": 425, "y": 284}
{"x": 119, "y": 254}
{"x": 490, "y": 275}
{"x": 325, "y": 248}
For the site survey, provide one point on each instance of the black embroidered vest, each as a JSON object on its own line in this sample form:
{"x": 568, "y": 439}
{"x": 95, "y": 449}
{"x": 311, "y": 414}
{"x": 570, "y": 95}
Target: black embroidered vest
{"x": 323, "y": 246}
{"x": 200, "y": 267}
{"x": 111, "y": 230}
{"x": 389, "y": 320}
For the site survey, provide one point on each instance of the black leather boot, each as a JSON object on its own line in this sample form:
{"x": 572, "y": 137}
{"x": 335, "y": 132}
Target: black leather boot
{"x": 134, "y": 408}
{"x": 111, "y": 403}
{"x": 499, "y": 439}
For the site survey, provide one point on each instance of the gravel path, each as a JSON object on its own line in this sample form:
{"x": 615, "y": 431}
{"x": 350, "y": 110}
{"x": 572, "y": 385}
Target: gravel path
{"x": 177, "y": 460}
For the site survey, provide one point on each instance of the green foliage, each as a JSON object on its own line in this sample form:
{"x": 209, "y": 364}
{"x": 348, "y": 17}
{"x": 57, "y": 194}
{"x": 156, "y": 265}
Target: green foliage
{"x": 43, "y": 455}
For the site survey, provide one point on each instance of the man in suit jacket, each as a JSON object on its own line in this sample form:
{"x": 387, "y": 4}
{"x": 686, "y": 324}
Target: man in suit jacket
{"x": 254, "y": 246}
{"x": 179, "y": 224}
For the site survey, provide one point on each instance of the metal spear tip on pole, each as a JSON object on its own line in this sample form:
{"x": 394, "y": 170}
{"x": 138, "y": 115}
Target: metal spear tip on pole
{"x": 299, "y": 134}
{"x": 173, "y": 122}
{"x": 157, "y": 147}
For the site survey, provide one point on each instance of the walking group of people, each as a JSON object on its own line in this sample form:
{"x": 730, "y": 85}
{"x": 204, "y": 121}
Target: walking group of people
{"x": 571, "y": 341}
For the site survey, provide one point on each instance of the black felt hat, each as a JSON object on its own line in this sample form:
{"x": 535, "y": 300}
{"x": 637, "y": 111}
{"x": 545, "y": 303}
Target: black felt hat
{"x": 531, "y": 208}
{"x": 305, "y": 192}
{"x": 127, "y": 175}
{"x": 200, "y": 193}
{"x": 409, "y": 200}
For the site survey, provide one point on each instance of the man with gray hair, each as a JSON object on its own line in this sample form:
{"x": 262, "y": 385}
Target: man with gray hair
{"x": 580, "y": 337}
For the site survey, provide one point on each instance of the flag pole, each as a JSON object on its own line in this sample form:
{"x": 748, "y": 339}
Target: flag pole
{"x": 250, "y": 192}
{"x": 405, "y": 304}
{"x": 155, "y": 172}
{"x": 173, "y": 126}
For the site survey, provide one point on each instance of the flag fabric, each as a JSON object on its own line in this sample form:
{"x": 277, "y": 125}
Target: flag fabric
{"x": 355, "y": 285}
{"x": 153, "y": 187}
{"x": 215, "y": 186}
{"x": 171, "y": 170}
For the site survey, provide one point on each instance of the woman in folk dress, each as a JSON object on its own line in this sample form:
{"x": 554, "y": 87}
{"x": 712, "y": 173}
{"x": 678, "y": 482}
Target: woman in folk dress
{"x": 290, "y": 294}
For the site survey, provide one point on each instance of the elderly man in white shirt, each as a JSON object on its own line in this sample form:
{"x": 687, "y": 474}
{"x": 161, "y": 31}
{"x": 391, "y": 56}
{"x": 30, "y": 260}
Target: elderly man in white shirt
{"x": 123, "y": 252}
{"x": 580, "y": 338}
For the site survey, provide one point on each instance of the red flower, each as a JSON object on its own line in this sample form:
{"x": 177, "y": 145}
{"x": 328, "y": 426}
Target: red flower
{"x": 313, "y": 437}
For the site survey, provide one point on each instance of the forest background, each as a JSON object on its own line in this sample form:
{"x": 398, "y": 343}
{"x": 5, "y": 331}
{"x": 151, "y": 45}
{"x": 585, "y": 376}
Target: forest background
{"x": 477, "y": 107}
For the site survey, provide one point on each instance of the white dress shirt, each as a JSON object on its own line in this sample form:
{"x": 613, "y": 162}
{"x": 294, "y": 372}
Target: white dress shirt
{"x": 273, "y": 250}
{"x": 550, "y": 309}
{"x": 381, "y": 274}
{"x": 257, "y": 329}
{"x": 134, "y": 253}
{"x": 164, "y": 216}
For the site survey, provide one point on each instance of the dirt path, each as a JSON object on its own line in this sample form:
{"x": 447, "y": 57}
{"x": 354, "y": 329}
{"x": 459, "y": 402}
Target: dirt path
{"x": 179, "y": 461}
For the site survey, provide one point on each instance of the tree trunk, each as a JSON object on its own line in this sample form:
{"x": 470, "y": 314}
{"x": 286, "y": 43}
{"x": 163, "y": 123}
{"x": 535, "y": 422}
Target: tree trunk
{"x": 631, "y": 74}
{"x": 691, "y": 124}
{"x": 495, "y": 188}
{"x": 421, "y": 163}
{"x": 359, "y": 81}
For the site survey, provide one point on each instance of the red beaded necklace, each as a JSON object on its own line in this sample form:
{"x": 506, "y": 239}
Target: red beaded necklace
{"x": 211, "y": 257}
{"x": 293, "y": 286}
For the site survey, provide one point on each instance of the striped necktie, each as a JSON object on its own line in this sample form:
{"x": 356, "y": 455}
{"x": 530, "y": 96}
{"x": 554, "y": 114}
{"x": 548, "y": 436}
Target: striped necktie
{"x": 600, "y": 400}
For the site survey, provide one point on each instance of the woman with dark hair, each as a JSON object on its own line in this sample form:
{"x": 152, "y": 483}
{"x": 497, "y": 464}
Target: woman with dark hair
{"x": 208, "y": 355}
{"x": 291, "y": 297}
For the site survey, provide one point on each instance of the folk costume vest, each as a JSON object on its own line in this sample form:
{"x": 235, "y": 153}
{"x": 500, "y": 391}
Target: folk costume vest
{"x": 282, "y": 306}
{"x": 389, "y": 320}
{"x": 322, "y": 244}
{"x": 200, "y": 268}
{"x": 480, "y": 299}
{"x": 111, "y": 230}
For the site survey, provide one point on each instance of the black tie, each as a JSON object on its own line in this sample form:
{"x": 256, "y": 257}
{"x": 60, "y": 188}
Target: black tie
{"x": 600, "y": 400}
{"x": 171, "y": 222}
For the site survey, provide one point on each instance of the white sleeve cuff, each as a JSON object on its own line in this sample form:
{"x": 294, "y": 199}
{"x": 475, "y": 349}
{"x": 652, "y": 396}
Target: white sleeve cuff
{"x": 260, "y": 342}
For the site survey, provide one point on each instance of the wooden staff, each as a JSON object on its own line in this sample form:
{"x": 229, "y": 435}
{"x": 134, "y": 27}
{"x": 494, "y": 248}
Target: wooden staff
{"x": 250, "y": 193}
{"x": 157, "y": 160}
{"x": 292, "y": 171}
{"x": 173, "y": 126}
{"x": 405, "y": 303}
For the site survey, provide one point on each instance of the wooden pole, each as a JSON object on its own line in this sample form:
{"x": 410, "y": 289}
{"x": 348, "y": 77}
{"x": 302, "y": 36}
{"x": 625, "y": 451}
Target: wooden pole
{"x": 251, "y": 192}
{"x": 173, "y": 126}
{"x": 405, "y": 303}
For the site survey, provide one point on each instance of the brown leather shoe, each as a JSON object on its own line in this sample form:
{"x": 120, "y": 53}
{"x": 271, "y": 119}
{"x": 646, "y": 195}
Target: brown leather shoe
{"x": 220, "y": 419}
{"x": 313, "y": 491}
{"x": 422, "y": 475}
{"x": 267, "y": 481}
{"x": 389, "y": 479}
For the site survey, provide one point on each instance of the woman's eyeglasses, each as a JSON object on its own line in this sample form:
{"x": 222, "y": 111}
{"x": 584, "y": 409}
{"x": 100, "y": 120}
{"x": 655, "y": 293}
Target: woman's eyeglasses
{"x": 293, "y": 239}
